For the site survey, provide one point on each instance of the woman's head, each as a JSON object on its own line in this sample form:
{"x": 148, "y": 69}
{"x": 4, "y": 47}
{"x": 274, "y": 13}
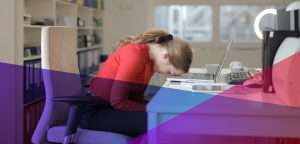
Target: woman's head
{"x": 170, "y": 55}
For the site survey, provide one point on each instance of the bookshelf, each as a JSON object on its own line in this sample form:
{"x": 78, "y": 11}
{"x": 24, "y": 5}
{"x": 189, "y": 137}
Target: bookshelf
{"x": 82, "y": 15}
{"x": 44, "y": 13}
{"x": 32, "y": 58}
{"x": 33, "y": 26}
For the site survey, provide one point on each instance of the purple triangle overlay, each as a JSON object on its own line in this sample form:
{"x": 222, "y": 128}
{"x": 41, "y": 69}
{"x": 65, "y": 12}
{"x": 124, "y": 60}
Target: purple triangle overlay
{"x": 236, "y": 115}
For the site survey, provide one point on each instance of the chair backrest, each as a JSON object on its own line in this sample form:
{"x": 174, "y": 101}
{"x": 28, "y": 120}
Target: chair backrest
{"x": 60, "y": 75}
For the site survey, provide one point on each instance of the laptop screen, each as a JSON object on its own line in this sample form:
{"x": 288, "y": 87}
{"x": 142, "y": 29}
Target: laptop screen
{"x": 221, "y": 64}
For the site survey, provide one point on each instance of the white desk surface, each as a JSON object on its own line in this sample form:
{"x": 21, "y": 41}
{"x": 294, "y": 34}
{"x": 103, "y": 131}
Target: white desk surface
{"x": 174, "y": 100}
{"x": 236, "y": 106}
{"x": 181, "y": 97}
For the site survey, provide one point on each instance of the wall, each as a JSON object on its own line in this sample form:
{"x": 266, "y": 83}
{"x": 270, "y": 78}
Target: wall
{"x": 11, "y": 103}
{"x": 122, "y": 18}
{"x": 127, "y": 17}
{"x": 250, "y": 57}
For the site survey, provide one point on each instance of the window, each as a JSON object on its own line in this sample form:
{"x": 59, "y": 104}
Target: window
{"x": 210, "y": 22}
{"x": 236, "y": 22}
{"x": 193, "y": 23}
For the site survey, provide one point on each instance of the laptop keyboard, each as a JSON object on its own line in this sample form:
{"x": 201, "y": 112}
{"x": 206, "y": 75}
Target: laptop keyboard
{"x": 201, "y": 76}
{"x": 238, "y": 78}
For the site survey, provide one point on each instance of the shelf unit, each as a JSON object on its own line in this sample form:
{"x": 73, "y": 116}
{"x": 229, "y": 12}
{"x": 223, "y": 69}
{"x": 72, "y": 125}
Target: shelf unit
{"x": 32, "y": 26}
{"x": 94, "y": 47}
{"x": 32, "y": 58}
{"x": 61, "y": 13}
{"x": 43, "y": 13}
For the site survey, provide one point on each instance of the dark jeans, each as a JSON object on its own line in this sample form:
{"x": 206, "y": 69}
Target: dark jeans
{"x": 106, "y": 118}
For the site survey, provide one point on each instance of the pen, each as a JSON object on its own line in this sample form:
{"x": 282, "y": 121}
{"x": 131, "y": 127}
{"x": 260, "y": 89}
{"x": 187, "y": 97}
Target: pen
{"x": 182, "y": 81}
{"x": 175, "y": 81}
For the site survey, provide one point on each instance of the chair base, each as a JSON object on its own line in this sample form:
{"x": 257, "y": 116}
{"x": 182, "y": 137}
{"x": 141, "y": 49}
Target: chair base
{"x": 83, "y": 136}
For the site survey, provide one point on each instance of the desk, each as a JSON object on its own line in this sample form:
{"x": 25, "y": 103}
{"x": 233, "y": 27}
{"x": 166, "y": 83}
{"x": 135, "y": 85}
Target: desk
{"x": 194, "y": 113}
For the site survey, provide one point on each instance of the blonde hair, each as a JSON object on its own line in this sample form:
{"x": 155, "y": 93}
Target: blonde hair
{"x": 179, "y": 51}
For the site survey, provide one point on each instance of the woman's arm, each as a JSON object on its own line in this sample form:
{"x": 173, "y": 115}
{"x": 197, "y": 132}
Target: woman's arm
{"x": 120, "y": 97}
{"x": 131, "y": 68}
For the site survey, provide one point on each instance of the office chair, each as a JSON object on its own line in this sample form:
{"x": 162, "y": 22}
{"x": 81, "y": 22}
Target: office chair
{"x": 64, "y": 97}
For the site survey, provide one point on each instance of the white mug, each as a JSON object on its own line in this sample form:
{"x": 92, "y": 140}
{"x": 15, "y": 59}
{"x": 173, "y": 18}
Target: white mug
{"x": 236, "y": 66}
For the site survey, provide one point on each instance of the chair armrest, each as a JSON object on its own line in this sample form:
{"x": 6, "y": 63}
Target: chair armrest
{"x": 76, "y": 109}
{"x": 79, "y": 100}
{"x": 72, "y": 124}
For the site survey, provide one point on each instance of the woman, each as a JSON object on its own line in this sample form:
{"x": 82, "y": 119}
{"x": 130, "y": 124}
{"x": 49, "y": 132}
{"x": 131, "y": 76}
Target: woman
{"x": 122, "y": 79}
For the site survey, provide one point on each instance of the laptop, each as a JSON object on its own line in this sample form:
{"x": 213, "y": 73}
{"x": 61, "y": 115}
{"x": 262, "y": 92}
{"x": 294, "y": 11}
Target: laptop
{"x": 217, "y": 75}
{"x": 205, "y": 76}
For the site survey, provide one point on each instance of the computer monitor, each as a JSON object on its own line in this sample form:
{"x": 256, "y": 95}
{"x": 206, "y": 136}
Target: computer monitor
{"x": 283, "y": 20}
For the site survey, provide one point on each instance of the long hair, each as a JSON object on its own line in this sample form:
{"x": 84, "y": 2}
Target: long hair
{"x": 179, "y": 51}
{"x": 151, "y": 36}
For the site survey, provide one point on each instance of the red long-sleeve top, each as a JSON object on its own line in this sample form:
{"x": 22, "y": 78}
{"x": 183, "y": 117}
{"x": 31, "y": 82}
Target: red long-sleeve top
{"x": 122, "y": 79}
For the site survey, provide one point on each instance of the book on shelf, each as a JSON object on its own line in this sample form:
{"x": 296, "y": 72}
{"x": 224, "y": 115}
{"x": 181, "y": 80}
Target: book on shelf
{"x": 33, "y": 82}
{"x": 95, "y": 60}
{"x": 90, "y": 61}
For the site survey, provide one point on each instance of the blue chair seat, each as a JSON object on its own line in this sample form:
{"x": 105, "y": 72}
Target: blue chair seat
{"x": 56, "y": 134}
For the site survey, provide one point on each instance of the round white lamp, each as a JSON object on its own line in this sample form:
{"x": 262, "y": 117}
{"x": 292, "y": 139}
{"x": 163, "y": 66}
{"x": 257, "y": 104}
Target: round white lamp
{"x": 258, "y": 19}
{"x": 293, "y": 6}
